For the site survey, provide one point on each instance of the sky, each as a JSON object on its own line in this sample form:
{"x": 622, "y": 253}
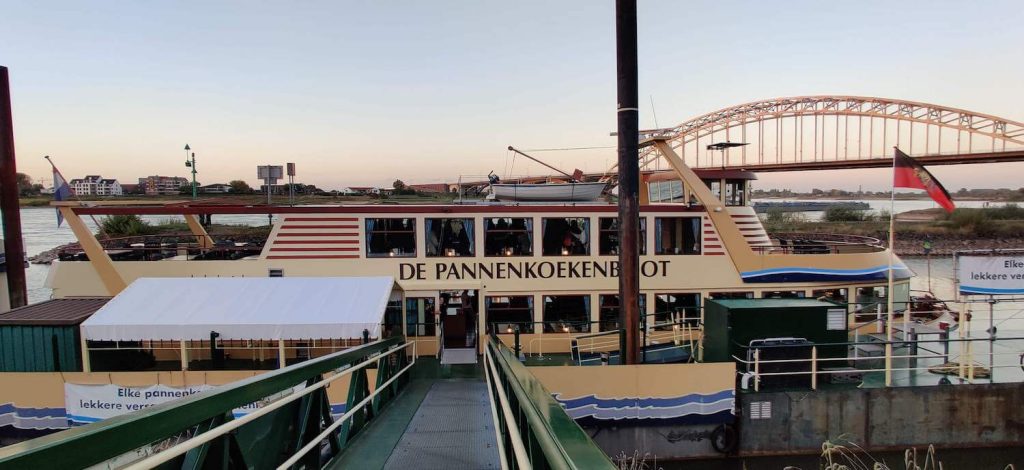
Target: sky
{"x": 366, "y": 92}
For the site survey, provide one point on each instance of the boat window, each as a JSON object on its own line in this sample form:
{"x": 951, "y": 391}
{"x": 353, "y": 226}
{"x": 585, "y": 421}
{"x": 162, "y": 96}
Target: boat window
{"x": 392, "y": 318}
{"x": 505, "y": 313}
{"x": 568, "y": 236}
{"x": 665, "y": 191}
{"x": 735, "y": 194}
{"x": 675, "y": 308}
{"x": 508, "y": 236}
{"x": 608, "y": 236}
{"x": 715, "y": 185}
{"x": 832, "y": 295}
{"x": 419, "y": 316}
{"x": 783, "y": 294}
{"x": 449, "y": 237}
{"x": 608, "y": 312}
{"x": 391, "y": 237}
{"x": 677, "y": 235}
{"x": 566, "y": 313}
{"x": 731, "y": 295}
{"x": 870, "y": 298}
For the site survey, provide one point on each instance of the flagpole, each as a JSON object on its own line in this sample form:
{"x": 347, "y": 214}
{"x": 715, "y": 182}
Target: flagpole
{"x": 888, "y": 291}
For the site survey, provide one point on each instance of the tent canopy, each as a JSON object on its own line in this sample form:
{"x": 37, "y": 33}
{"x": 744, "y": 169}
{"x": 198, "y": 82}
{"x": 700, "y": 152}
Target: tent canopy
{"x": 243, "y": 308}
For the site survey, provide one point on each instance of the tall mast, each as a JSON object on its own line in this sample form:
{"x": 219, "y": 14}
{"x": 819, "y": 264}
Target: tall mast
{"x": 629, "y": 180}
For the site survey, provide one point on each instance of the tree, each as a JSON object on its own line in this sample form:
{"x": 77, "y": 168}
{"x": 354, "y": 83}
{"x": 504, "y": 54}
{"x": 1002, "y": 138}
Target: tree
{"x": 399, "y": 186}
{"x": 25, "y": 187}
{"x": 239, "y": 187}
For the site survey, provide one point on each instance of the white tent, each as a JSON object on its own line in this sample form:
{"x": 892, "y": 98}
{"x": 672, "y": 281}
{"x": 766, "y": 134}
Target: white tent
{"x": 243, "y": 308}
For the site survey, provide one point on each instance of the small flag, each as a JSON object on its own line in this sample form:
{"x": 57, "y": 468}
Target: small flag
{"x": 907, "y": 173}
{"x": 61, "y": 190}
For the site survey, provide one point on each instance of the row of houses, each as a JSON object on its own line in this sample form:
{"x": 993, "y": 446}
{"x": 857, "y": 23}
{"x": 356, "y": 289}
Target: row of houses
{"x": 156, "y": 185}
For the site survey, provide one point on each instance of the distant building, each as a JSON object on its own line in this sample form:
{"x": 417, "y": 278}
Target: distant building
{"x": 364, "y": 189}
{"x": 95, "y": 185}
{"x": 162, "y": 185}
{"x": 430, "y": 188}
{"x": 218, "y": 188}
{"x": 129, "y": 188}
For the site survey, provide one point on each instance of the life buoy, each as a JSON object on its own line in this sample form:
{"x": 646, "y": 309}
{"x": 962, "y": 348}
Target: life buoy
{"x": 724, "y": 439}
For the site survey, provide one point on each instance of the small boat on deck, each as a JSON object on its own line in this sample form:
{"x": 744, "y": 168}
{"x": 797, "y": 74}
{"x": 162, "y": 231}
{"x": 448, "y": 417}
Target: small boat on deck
{"x": 573, "y": 192}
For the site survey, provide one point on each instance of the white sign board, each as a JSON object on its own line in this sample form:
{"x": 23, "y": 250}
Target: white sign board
{"x": 91, "y": 403}
{"x": 991, "y": 275}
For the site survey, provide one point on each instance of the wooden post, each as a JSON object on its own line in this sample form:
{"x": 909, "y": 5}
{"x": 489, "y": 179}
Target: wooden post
{"x": 14, "y": 245}
{"x": 184, "y": 354}
{"x": 629, "y": 180}
{"x": 281, "y": 358}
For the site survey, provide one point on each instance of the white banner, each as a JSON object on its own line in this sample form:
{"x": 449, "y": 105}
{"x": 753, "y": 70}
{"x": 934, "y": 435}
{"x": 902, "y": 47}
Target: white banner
{"x": 91, "y": 403}
{"x": 991, "y": 275}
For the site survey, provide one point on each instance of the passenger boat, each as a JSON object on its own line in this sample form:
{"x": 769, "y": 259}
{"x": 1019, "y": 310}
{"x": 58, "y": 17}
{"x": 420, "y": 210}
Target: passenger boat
{"x": 548, "y": 269}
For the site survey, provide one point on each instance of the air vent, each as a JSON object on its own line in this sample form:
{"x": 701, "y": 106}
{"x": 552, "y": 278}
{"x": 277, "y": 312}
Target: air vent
{"x": 276, "y": 272}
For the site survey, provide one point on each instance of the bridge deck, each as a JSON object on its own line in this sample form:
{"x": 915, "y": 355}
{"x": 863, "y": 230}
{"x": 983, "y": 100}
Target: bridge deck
{"x": 437, "y": 422}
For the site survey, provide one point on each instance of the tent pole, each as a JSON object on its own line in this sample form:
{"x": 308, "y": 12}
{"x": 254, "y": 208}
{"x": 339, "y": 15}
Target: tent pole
{"x": 86, "y": 364}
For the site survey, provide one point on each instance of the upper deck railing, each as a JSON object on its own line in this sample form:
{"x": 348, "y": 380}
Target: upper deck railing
{"x": 819, "y": 244}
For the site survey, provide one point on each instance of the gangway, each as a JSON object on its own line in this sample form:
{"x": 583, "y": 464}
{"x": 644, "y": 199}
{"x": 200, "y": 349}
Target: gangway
{"x": 492, "y": 416}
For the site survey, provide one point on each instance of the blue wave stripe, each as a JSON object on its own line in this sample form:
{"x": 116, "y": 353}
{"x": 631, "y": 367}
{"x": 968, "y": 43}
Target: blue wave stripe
{"x": 592, "y": 411}
{"x": 32, "y": 412}
{"x": 643, "y": 402}
{"x": 988, "y": 290}
{"x": 83, "y": 419}
{"x": 838, "y": 272}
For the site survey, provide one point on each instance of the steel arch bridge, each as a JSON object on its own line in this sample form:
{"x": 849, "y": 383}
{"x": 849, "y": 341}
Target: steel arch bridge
{"x": 832, "y": 132}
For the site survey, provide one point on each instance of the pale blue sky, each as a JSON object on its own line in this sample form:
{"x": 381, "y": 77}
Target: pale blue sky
{"x": 365, "y": 92}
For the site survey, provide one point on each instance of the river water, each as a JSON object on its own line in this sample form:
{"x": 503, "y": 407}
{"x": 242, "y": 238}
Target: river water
{"x": 39, "y": 224}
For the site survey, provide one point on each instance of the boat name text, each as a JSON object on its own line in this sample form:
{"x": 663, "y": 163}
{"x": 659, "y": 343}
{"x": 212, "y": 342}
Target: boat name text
{"x": 524, "y": 270}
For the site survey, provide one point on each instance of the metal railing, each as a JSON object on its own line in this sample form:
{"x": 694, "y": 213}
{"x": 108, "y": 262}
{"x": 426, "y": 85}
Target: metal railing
{"x": 809, "y": 369}
{"x": 178, "y": 246}
{"x": 819, "y": 243}
{"x": 533, "y": 429}
{"x": 293, "y": 426}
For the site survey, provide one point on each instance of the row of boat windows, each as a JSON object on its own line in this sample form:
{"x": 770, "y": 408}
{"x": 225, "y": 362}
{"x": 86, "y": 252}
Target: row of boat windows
{"x": 513, "y": 236}
{"x": 672, "y": 191}
{"x": 574, "y": 313}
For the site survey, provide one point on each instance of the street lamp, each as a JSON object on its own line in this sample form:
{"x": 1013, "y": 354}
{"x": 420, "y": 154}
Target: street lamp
{"x": 191, "y": 164}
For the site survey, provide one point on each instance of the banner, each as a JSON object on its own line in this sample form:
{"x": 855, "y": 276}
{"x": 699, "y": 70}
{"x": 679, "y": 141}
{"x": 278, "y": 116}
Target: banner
{"x": 991, "y": 275}
{"x": 90, "y": 403}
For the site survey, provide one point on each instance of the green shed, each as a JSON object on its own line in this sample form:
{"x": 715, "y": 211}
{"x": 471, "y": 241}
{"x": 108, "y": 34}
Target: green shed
{"x": 731, "y": 324}
{"x": 44, "y": 337}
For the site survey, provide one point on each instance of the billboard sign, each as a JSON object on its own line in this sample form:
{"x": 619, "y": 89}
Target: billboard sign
{"x": 991, "y": 275}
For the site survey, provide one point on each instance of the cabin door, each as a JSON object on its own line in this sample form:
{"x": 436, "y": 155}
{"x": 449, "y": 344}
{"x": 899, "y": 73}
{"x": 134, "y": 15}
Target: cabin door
{"x": 459, "y": 318}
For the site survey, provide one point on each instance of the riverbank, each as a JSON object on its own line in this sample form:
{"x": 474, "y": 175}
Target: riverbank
{"x": 254, "y": 199}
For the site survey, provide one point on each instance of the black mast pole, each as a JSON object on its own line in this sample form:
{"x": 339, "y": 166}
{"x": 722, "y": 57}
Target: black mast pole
{"x": 629, "y": 180}
{"x": 14, "y": 247}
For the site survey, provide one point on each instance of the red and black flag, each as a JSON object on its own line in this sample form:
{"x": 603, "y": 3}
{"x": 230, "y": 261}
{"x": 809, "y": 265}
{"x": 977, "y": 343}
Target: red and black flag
{"x": 907, "y": 173}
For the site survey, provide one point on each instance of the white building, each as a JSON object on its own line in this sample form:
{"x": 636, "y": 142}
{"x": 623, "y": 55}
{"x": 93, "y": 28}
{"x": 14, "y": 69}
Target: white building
{"x": 95, "y": 185}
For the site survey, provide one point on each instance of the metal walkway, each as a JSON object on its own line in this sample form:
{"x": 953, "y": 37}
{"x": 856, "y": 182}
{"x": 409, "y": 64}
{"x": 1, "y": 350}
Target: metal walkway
{"x": 452, "y": 429}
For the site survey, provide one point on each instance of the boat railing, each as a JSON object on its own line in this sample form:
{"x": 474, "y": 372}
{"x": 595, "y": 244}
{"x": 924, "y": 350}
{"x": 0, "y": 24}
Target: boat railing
{"x": 819, "y": 243}
{"x": 794, "y": 364}
{"x": 178, "y": 246}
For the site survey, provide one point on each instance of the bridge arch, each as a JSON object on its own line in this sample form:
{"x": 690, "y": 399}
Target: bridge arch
{"x": 830, "y": 130}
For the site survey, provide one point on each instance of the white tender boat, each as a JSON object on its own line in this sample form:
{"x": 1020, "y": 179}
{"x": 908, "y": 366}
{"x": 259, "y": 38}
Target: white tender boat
{"x": 547, "y": 191}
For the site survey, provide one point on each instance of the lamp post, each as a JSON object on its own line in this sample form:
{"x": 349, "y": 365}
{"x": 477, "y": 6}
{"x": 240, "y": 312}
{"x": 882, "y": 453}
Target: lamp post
{"x": 191, "y": 164}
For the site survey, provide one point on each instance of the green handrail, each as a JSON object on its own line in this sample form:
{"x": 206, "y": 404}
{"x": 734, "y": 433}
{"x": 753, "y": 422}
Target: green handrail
{"x": 98, "y": 442}
{"x": 562, "y": 443}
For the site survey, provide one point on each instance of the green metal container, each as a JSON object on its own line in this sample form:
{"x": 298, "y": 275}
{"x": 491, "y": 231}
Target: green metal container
{"x": 39, "y": 348}
{"x": 730, "y": 325}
